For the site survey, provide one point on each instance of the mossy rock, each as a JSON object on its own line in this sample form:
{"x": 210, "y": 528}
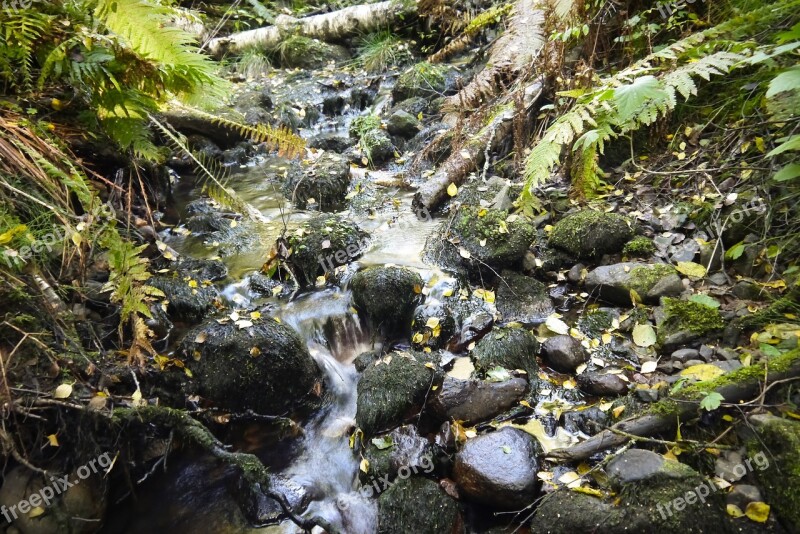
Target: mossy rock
{"x": 390, "y": 392}
{"x": 650, "y": 282}
{"x": 265, "y": 367}
{"x": 387, "y": 296}
{"x": 435, "y": 336}
{"x": 523, "y": 299}
{"x": 590, "y": 234}
{"x": 778, "y": 446}
{"x": 401, "y": 450}
{"x": 377, "y": 147}
{"x": 302, "y": 52}
{"x": 422, "y": 80}
{"x": 511, "y": 348}
{"x": 481, "y": 241}
{"x": 323, "y": 243}
{"x": 686, "y": 320}
{"x": 639, "y": 247}
{"x": 595, "y": 322}
{"x": 326, "y": 181}
{"x": 188, "y": 288}
{"x": 417, "y": 505}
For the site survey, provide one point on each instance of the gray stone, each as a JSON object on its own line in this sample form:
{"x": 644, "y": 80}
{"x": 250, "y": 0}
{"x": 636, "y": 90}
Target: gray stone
{"x": 403, "y": 124}
{"x": 650, "y": 281}
{"x": 602, "y": 384}
{"x": 684, "y": 355}
{"x": 563, "y": 353}
{"x": 473, "y": 401}
{"x": 575, "y": 274}
{"x": 634, "y": 465}
{"x": 498, "y": 469}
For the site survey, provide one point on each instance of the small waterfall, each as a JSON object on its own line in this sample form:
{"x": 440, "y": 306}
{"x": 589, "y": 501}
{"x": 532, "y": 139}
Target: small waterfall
{"x": 327, "y": 466}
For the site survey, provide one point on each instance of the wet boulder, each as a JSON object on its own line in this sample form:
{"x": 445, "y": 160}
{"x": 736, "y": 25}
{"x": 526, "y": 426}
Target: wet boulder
{"x": 511, "y": 348}
{"x": 400, "y": 451}
{"x": 433, "y": 326}
{"x": 188, "y": 288}
{"x": 523, "y": 299}
{"x": 403, "y": 124}
{"x": 418, "y": 505}
{"x": 473, "y": 401}
{"x": 264, "y": 367}
{"x": 376, "y": 146}
{"x": 602, "y": 384}
{"x": 394, "y": 388}
{"x": 480, "y": 241}
{"x": 323, "y": 243}
{"x": 563, "y": 353}
{"x": 387, "y": 296}
{"x": 326, "y": 182}
{"x": 650, "y": 281}
{"x": 591, "y": 234}
{"x": 499, "y": 468}
{"x": 421, "y": 80}
{"x": 331, "y": 141}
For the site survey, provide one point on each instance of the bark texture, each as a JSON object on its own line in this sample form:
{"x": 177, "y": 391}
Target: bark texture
{"x": 329, "y": 27}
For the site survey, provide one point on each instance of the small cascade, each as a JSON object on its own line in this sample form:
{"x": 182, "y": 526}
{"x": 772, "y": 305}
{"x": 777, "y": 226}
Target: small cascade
{"x": 326, "y": 467}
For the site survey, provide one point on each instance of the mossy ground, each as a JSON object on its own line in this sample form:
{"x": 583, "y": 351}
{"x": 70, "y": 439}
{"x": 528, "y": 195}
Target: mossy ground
{"x": 639, "y": 247}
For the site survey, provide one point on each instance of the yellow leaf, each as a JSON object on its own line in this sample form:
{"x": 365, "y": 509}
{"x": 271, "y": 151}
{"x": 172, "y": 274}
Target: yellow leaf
{"x": 644, "y": 335}
{"x": 255, "y": 315}
{"x": 588, "y": 491}
{"x": 36, "y": 512}
{"x": 618, "y": 410}
{"x": 702, "y": 372}
{"x": 635, "y": 298}
{"x": 255, "y": 351}
{"x": 63, "y": 391}
{"x": 554, "y": 324}
{"x": 418, "y": 337}
{"x": 757, "y": 511}
{"x": 192, "y": 283}
{"x": 432, "y": 322}
{"x": 734, "y": 511}
{"x": 452, "y": 190}
{"x": 525, "y": 403}
{"x": 571, "y": 479}
{"x": 364, "y": 465}
{"x": 691, "y": 269}
{"x": 53, "y": 440}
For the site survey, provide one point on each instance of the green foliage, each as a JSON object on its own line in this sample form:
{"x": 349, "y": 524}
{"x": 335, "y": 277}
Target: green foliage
{"x": 123, "y": 58}
{"x": 380, "y": 50}
{"x": 647, "y": 90}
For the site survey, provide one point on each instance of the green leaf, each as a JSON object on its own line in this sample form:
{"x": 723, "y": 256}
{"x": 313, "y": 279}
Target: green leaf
{"x": 644, "y": 335}
{"x": 705, "y": 300}
{"x": 383, "y": 442}
{"x": 788, "y": 80}
{"x": 789, "y": 172}
{"x": 711, "y": 401}
{"x": 787, "y": 143}
{"x": 497, "y": 374}
{"x": 769, "y": 350}
{"x": 630, "y": 98}
{"x": 735, "y": 251}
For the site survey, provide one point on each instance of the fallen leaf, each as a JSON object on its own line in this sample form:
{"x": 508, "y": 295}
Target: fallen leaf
{"x": 691, "y": 269}
{"x": 53, "y": 440}
{"x": 452, "y": 190}
{"x": 554, "y": 324}
{"x": 644, "y": 335}
{"x": 734, "y": 511}
{"x": 649, "y": 367}
{"x": 757, "y": 511}
{"x": 63, "y": 391}
{"x": 702, "y": 372}
{"x": 364, "y": 465}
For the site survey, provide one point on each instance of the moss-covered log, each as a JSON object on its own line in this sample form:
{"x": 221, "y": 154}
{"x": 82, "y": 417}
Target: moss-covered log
{"x": 739, "y": 385}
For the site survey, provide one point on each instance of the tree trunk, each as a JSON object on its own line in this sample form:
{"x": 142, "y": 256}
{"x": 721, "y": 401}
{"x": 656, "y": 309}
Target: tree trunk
{"x": 326, "y": 27}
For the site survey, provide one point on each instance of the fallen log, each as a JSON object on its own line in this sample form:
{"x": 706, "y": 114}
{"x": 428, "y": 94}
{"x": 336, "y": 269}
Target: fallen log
{"x": 734, "y": 387}
{"x": 333, "y": 26}
{"x": 472, "y": 155}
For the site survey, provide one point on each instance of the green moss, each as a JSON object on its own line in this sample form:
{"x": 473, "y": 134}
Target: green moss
{"x": 692, "y": 316}
{"x": 594, "y": 323}
{"x": 779, "y": 439}
{"x": 644, "y": 277}
{"x": 589, "y": 233}
{"x": 640, "y": 247}
{"x": 364, "y": 124}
